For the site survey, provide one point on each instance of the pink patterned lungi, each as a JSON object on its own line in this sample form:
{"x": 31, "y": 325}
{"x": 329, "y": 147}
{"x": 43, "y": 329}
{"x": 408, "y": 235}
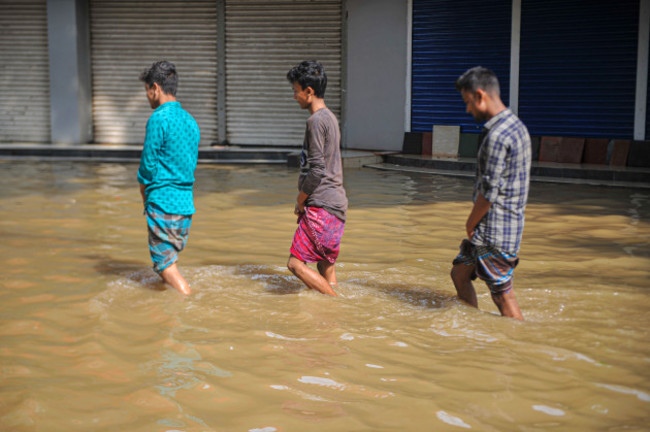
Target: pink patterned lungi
{"x": 318, "y": 236}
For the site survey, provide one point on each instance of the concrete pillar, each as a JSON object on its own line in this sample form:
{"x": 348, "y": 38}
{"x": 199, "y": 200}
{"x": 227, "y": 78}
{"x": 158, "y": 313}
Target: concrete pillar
{"x": 515, "y": 53}
{"x": 221, "y": 72}
{"x": 642, "y": 71}
{"x": 377, "y": 68}
{"x": 70, "y": 82}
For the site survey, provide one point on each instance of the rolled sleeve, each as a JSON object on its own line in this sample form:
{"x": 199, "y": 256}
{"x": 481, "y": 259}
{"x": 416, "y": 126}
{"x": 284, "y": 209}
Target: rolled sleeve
{"x": 492, "y": 179}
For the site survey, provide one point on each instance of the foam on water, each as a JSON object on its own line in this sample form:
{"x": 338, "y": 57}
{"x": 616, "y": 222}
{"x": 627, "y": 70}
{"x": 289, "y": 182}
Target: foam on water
{"x": 452, "y": 420}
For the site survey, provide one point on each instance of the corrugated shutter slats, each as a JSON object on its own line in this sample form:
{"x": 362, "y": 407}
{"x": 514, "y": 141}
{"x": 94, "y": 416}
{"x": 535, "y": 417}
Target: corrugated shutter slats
{"x": 126, "y": 38}
{"x": 264, "y": 39}
{"x": 449, "y": 37}
{"x": 578, "y": 67}
{"x": 24, "y": 72}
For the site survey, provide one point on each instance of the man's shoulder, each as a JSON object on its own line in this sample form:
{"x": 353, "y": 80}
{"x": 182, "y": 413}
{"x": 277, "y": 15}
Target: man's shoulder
{"x": 161, "y": 113}
{"x": 155, "y": 119}
{"x": 174, "y": 113}
{"x": 506, "y": 126}
{"x": 187, "y": 116}
{"x": 506, "y": 120}
{"x": 322, "y": 117}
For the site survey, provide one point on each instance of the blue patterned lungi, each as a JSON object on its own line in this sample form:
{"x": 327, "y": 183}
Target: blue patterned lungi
{"x": 167, "y": 236}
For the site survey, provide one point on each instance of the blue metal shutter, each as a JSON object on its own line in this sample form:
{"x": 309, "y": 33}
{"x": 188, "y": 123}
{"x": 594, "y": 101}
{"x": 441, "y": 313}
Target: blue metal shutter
{"x": 450, "y": 37}
{"x": 578, "y": 67}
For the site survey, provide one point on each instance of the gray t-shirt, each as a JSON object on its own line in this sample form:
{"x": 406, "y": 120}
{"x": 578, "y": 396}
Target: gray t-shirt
{"x": 321, "y": 168}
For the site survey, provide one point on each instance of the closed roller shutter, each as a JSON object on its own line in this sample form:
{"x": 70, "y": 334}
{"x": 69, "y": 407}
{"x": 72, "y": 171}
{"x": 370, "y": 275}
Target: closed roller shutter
{"x": 449, "y": 37}
{"x": 126, "y": 37}
{"x": 24, "y": 72}
{"x": 578, "y": 67}
{"x": 264, "y": 39}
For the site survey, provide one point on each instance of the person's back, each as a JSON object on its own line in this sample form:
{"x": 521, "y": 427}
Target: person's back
{"x": 174, "y": 135}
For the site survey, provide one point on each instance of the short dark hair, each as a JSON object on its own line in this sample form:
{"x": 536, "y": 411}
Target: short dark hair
{"x": 163, "y": 73}
{"x": 309, "y": 73}
{"x": 478, "y": 78}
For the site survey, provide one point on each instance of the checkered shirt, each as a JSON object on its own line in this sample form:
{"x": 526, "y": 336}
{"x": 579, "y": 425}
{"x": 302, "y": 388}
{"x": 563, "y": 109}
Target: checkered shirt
{"x": 502, "y": 177}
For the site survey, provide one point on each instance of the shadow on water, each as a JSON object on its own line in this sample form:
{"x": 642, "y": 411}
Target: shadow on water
{"x": 419, "y": 296}
{"x": 274, "y": 282}
{"x": 279, "y": 283}
{"x": 128, "y": 269}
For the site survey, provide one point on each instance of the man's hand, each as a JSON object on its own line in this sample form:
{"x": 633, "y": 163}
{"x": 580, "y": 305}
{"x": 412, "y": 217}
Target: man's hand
{"x": 299, "y": 210}
{"x": 469, "y": 229}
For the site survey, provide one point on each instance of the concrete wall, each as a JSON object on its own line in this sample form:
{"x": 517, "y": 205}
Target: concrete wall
{"x": 376, "y": 74}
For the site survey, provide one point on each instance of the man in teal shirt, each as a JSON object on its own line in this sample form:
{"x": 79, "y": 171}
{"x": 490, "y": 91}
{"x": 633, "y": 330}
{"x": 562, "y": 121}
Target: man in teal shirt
{"x": 166, "y": 173}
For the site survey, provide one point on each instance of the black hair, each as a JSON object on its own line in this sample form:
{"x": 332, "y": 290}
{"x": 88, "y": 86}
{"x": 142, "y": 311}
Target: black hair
{"x": 163, "y": 73}
{"x": 478, "y": 78}
{"x": 309, "y": 73}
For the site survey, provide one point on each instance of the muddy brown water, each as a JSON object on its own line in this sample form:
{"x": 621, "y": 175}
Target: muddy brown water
{"x": 91, "y": 341}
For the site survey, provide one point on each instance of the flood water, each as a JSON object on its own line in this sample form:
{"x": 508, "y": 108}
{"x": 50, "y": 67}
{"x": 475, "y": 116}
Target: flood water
{"x": 91, "y": 341}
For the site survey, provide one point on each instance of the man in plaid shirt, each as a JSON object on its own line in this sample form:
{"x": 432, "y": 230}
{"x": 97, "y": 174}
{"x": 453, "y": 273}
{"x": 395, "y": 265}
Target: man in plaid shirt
{"x": 496, "y": 222}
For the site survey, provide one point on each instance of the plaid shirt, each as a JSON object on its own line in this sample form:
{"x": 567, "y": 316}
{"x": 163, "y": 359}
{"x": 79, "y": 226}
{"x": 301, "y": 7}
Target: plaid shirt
{"x": 502, "y": 177}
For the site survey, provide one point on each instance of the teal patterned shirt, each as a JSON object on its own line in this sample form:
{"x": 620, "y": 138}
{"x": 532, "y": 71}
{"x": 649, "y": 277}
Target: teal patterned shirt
{"x": 168, "y": 160}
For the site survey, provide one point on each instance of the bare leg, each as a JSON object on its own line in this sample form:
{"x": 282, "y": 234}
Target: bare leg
{"x": 173, "y": 277}
{"x": 461, "y": 274}
{"x": 327, "y": 270}
{"x": 311, "y": 278}
{"x": 507, "y": 304}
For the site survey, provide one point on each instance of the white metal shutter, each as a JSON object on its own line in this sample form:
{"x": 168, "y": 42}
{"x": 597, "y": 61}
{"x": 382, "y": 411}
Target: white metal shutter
{"x": 24, "y": 72}
{"x": 126, "y": 38}
{"x": 264, "y": 39}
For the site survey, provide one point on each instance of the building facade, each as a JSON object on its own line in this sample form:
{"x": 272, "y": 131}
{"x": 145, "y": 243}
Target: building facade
{"x": 69, "y": 68}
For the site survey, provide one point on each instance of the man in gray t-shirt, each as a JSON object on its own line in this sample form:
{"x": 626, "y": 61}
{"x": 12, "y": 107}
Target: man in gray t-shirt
{"x": 321, "y": 204}
{"x": 321, "y": 171}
